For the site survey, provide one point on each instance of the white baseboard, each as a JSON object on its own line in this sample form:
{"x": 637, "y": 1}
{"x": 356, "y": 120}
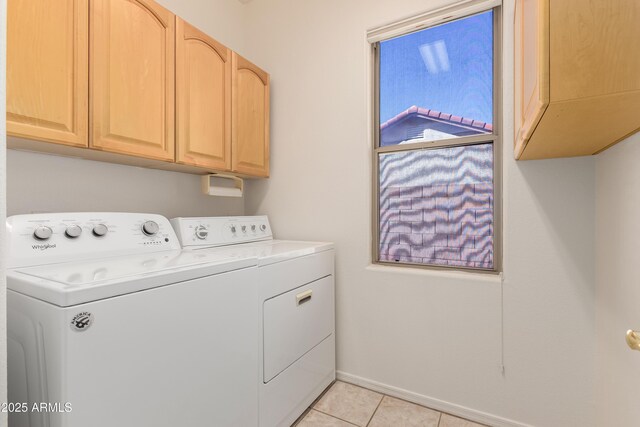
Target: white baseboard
{"x": 430, "y": 402}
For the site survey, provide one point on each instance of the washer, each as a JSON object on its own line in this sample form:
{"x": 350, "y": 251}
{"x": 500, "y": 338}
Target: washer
{"x": 110, "y": 324}
{"x": 295, "y": 304}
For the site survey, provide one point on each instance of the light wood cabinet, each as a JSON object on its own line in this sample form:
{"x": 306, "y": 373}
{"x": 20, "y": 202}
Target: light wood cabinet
{"x": 47, "y": 70}
{"x": 132, "y": 78}
{"x": 577, "y": 76}
{"x": 250, "y": 118}
{"x": 126, "y": 81}
{"x": 203, "y": 95}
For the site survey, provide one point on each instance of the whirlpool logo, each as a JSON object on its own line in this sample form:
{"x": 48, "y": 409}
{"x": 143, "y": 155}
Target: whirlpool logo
{"x": 82, "y": 321}
{"x": 44, "y": 247}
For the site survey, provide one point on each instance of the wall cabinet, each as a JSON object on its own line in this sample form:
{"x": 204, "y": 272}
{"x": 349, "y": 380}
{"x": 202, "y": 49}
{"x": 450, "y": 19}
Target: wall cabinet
{"x": 203, "y": 87}
{"x": 132, "y": 78}
{"x": 250, "y": 118}
{"x": 47, "y": 70}
{"x": 131, "y": 83}
{"x": 577, "y": 76}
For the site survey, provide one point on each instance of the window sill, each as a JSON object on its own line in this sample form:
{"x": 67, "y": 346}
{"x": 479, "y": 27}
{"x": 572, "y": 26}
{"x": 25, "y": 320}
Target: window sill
{"x": 489, "y": 277}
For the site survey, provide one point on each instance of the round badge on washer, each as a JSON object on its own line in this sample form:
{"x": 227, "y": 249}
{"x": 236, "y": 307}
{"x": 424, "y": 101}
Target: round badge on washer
{"x": 82, "y": 321}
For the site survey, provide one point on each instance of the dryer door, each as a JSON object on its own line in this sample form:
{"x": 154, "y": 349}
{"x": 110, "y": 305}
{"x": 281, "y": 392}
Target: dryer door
{"x": 294, "y": 323}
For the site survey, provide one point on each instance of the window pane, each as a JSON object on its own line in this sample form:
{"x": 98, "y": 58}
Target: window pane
{"x": 438, "y": 83}
{"x": 436, "y": 206}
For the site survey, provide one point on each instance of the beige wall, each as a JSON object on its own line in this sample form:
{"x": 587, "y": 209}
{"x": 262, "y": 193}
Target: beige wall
{"x": 224, "y": 20}
{"x": 437, "y": 338}
{"x": 44, "y": 183}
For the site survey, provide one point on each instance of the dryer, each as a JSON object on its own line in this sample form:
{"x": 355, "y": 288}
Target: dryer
{"x": 296, "y": 306}
{"x": 110, "y": 324}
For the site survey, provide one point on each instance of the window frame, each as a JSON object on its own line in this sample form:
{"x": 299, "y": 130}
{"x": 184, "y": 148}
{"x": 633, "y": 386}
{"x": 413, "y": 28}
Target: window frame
{"x": 495, "y": 138}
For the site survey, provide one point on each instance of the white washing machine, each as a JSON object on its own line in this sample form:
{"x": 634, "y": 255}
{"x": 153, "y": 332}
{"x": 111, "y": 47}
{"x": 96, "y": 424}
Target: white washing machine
{"x": 296, "y": 307}
{"x": 111, "y": 324}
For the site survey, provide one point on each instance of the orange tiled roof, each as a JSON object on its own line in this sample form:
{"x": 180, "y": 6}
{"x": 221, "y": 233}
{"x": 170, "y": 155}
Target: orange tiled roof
{"x": 437, "y": 115}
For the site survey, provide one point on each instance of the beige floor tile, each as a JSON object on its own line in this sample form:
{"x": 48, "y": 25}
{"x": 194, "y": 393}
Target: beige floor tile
{"x": 349, "y": 402}
{"x": 396, "y": 412}
{"x": 318, "y": 419}
{"x": 451, "y": 421}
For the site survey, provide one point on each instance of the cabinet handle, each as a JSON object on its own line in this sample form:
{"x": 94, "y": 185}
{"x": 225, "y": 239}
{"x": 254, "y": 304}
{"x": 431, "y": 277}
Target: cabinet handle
{"x": 303, "y": 297}
{"x": 633, "y": 339}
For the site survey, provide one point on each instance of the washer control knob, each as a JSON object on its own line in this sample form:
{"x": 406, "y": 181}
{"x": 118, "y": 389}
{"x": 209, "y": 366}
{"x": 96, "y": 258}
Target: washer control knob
{"x": 233, "y": 229}
{"x": 150, "y": 228}
{"x": 263, "y": 227}
{"x": 253, "y": 227}
{"x": 202, "y": 232}
{"x": 244, "y": 228}
{"x": 42, "y": 232}
{"x": 100, "y": 230}
{"x": 73, "y": 231}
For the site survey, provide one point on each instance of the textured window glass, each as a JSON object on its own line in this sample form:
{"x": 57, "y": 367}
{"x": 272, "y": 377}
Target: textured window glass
{"x": 436, "y": 206}
{"x": 438, "y": 83}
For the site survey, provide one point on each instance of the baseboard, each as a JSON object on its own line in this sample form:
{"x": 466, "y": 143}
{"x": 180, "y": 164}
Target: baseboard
{"x": 430, "y": 402}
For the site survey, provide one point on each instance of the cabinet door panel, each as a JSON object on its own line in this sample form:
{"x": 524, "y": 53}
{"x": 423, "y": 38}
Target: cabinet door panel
{"x": 203, "y": 76}
{"x": 593, "y": 50}
{"x": 47, "y": 70}
{"x": 132, "y": 78}
{"x": 250, "y": 128}
{"x": 532, "y": 67}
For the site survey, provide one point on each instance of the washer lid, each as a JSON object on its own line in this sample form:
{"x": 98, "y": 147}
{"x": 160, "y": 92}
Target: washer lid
{"x": 73, "y": 283}
{"x": 270, "y": 251}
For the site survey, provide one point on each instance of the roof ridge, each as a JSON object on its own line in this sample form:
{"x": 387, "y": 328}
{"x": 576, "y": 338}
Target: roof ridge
{"x": 434, "y": 114}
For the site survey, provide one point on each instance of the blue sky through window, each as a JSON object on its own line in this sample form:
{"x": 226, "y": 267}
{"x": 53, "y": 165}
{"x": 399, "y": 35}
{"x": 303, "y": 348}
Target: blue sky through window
{"x": 448, "y": 68}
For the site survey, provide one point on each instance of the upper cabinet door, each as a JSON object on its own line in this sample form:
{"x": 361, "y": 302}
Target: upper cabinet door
{"x": 531, "y": 66}
{"x": 132, "y": 78}
{"x": 577, "y": 76}
{"x": 47, "y": 70}
{"x": 203, "y": 91}
{"x": 250, "y": 118}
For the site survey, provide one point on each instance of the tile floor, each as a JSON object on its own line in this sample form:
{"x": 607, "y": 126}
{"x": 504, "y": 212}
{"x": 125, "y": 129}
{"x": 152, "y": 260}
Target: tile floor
{"x": 347, "y": 405}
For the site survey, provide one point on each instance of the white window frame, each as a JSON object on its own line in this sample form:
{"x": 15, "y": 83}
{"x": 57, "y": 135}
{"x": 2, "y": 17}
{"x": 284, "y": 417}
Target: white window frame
{"x": 417, "y": 23}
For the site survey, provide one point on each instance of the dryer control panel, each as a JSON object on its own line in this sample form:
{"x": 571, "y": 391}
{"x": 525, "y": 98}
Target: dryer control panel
{"x": 39, "y": 239}
{"x": 221, "y": 230}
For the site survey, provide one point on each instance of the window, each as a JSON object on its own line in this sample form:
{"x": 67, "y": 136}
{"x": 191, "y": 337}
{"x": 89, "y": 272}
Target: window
{"x": 436, "y": 156}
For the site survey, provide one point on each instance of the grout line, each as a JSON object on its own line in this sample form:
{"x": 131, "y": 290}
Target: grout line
{"x": 376, "y": 410}
{"x": 440, "y": 413}
{"x": 313, "y": 404}
{"x": 325, "y": 391}
{"x": 302, "y": 416}
{"x": 413, "y": 403}
{"x": 337, "y": 418}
